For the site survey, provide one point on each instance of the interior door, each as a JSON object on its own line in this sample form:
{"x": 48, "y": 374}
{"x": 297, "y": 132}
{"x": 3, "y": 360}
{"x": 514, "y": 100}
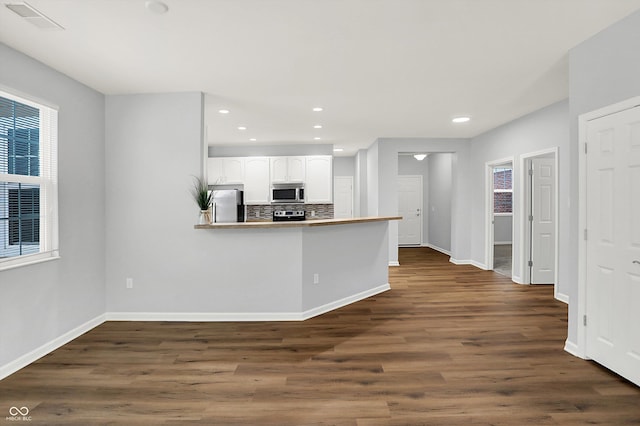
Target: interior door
{"x": 343, "y": 197}
{"x": 613, "y": 242}
{"x": 543, "y": 227}
{"x": 410, "y": 208}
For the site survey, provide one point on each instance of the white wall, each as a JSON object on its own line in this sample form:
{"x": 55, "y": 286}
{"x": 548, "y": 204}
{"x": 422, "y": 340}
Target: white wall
{"x": 440, "y": 192}
{"x": 150, "y": 218}
{"x": 269, "y": 150}
{"x": 40, "y": 303}
{"x": 540, "y": 130}
{"x": 360, "y": 190}
{"x": 344, "y": 166}
{"x": 602, "y": 71}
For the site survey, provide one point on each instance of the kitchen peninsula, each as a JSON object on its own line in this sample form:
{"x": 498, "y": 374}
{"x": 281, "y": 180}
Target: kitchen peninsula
{"x": 307, "y": 267}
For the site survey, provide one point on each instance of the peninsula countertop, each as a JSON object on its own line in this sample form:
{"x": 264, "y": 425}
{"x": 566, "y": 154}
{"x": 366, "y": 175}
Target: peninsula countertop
{"x": 297, "y": 224}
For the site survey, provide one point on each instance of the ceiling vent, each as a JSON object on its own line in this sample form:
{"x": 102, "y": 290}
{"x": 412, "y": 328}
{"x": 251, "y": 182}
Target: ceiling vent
{"x": 31, "y": 14}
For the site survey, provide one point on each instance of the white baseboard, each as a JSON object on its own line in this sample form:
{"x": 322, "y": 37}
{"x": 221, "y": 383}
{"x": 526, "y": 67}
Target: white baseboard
{"x": 203, "y": 316}
{"x": 36, "y": 354}
{"x": 345, "y": 301}
{"x": 468, "y": 262}
{"x": 562, "y": 297}
{"x": 394, "y": 263}
{"x": 573, "y": 349}
{"x": 517, "y": 280}
{"x": 436, "y": 248}
{"x": 240, "y": 317}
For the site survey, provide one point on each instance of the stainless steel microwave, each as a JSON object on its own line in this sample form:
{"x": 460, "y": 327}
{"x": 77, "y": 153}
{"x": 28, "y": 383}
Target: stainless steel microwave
{"x": 287, "y": 193}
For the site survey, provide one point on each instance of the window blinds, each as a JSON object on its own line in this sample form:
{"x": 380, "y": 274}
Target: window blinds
{"x": 28, "y": 181}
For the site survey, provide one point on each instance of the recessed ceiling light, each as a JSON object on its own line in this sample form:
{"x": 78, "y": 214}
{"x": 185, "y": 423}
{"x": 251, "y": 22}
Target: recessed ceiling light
{"x": 317, "y": 126}
{"x": 242, "y": 128}
{"x": 156, "y": 6}
{"x": 317, "y": 109}
{"x": 316, "y": 138}
{"x": 223, "y": 111}
{"x": 253, "y": 139}
{"x": 461, "y": 119}
{"x": 338, "y": 149}
{"x": 420, "y": 157}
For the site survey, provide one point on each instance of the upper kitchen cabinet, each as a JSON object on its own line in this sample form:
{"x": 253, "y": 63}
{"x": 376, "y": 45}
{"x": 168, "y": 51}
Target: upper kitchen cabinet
{"x": 287, "y": 169}
{"x": 319, "y": 179}
{"x": 225, "y": 170}
{"x": 256, "y": 180}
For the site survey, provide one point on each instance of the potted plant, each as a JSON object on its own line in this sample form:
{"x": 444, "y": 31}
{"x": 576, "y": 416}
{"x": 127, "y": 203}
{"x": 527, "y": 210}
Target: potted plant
{"x": 202, "y": 197}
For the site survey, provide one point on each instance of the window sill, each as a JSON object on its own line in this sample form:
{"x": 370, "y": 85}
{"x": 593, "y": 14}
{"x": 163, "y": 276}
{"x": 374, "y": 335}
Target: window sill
{"x": 28, "y": 260}
{"x": 502, "y": 214}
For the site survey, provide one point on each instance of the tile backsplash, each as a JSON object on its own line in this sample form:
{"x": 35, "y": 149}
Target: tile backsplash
{"x": 264, "y": 212}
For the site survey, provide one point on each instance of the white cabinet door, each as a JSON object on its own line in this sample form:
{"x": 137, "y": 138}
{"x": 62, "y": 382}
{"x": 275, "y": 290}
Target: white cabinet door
{"x": 233, "y": 170}
{"x": 215, "y": 171}
{"x": 296, "y": 169}
{"x": 256, "y": 180}
{"x": 225, "y": 170}
{"x": 287, "y": 169}
{"x": 318, "y": 183}
{"x": 279, "y": 169}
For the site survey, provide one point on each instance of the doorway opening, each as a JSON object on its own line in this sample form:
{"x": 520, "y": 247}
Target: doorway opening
{"x": 500, "y": 216}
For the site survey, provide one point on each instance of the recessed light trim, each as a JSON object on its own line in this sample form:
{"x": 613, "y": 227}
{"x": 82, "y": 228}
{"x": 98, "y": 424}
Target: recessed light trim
{"x": 224, "y": 111}
{"x": 318, "y": 109}
{"x": 420, "y": 157}
{"x": 318, "y": 126}
{"x": 253, "y": 139}
{"x": 338, "y": 149}
{"x": 242, "y": 128}
{"x": 462, "y": 119}
{"x": 317, "y": 138}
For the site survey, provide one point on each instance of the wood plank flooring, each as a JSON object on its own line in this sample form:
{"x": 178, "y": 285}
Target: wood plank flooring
{"x": 448, "y": 345}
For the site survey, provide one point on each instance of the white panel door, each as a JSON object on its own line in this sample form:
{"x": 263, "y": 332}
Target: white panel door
{"x": 410, "y": 208}
{"x": 613, "y": 242}
{"x": 343, "y": 197}
{"x": 543, "y": 227}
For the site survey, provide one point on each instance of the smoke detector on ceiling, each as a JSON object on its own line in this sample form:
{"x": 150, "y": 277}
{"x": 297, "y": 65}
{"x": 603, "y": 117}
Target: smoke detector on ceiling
{"x": 33, "y": 15}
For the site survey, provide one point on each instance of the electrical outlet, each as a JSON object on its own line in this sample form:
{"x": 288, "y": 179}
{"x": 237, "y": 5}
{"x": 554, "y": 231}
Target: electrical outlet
{"x": 313, "y": 213}
{"x": 316, "y": 278}
{"x": 129, "y": 282}
{"x": 257, "y": 214}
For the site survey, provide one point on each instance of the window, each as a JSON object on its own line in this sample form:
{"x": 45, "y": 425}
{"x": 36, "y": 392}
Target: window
{"x": 502, "y": 190}
{"x": 28, "y": 181}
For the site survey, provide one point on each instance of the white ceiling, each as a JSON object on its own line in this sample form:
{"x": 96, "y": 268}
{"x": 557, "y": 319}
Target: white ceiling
{"x": 379, "y": 68}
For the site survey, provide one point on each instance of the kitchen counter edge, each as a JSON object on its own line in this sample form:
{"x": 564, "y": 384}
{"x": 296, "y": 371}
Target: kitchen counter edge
{"x": 299, "y": 224}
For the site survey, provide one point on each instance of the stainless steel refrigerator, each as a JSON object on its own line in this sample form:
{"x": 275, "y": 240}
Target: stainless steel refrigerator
{"x": 228, "y": 205}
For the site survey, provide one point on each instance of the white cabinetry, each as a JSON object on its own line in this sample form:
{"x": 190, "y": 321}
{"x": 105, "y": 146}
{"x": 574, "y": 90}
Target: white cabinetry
{"x": 225, "y": 170}
{"x": 318, "y": 182}
{"x": 287, "y": 169}
{"x": 256, "y": 180}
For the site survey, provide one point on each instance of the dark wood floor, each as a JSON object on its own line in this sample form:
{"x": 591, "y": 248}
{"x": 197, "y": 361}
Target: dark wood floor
{"x": 448, "y": 345}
